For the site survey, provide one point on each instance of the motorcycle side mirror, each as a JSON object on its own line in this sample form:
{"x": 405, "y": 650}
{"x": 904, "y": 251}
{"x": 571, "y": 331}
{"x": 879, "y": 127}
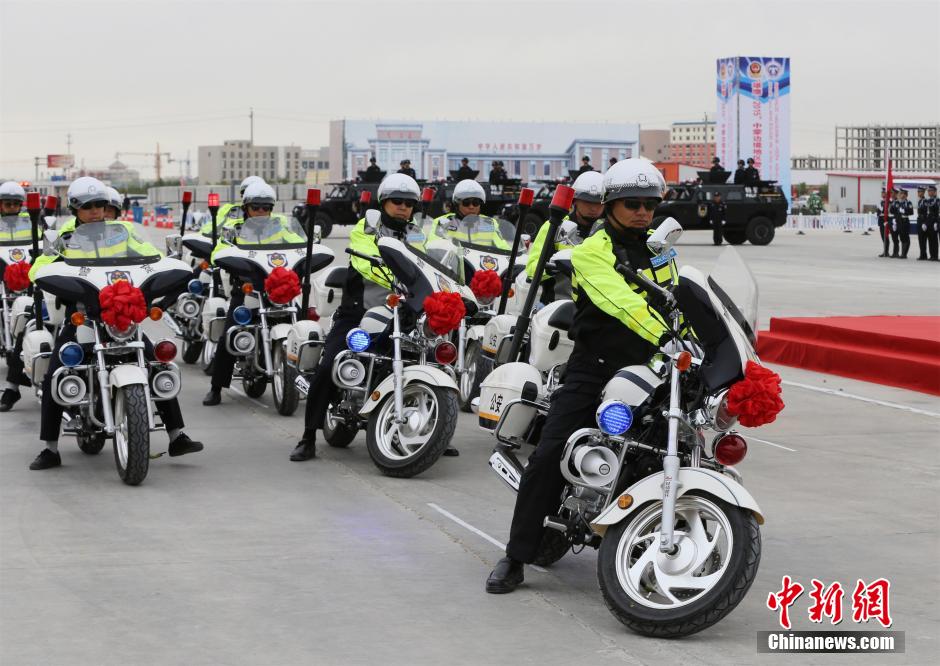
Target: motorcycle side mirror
{"x": 317, "y": 233}
{"x": 526, "y": 240}
{"x": 51, "y": 221}
{"x": 373, "y": 216}
{"x": 49, "y": 238}
{"x": 665, "y": 236}
{"x": 174, "y": 245}
{"x": 475, "y": 405}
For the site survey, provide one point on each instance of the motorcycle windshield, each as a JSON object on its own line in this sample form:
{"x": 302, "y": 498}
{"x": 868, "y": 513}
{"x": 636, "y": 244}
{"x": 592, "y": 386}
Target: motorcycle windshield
{"x": 478, "y": 232}
{"x": 15, "y": 230}
{"x": 105, "y": 244}
{"x": 736, "y": 288}
{"x": 269, "y": 233}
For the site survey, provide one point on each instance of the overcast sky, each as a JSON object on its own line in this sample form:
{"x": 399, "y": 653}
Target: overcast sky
{"x": 124, "y": 75}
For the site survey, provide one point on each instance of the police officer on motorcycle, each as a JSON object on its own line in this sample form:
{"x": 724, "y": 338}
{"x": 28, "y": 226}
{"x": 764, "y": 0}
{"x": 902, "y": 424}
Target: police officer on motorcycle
{"x": 12, "y": 198}
{"x": 615, "y": 325}
{"x": 366, "y": 287}
{"x": 468, "y": 199}
{"x": 87, "y": 199}
{"x": 587, "y": 210}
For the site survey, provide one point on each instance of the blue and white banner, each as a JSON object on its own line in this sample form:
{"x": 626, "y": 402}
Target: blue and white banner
{"x": 754, "y": 115}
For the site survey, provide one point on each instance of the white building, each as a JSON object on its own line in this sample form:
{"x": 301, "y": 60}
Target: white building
{"x": 236, "y": 159}
{"x": 529, "y": 151}
{"x": 859, "y": 192}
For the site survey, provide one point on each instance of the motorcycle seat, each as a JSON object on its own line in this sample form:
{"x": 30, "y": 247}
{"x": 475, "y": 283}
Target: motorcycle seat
{"x": 337, "y": 278}
{"x": 563, "y": 317}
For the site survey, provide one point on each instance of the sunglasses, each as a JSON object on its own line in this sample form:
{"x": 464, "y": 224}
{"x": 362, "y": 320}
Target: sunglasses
{"x": 472, "y": 202}
{"x": 403, "y": 202}
{"x": 635, "y": 204}
{"x": 94, "y": 204}
{"x": 267, "y": 208}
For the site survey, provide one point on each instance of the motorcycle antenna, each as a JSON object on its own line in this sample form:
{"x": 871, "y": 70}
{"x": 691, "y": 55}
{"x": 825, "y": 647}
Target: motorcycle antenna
{"x": 560, "y": 206}
{"x": 526, "y": 197}
{"x": 214, "y": 212}
{"x": 427, "y": 194}
{"x": 34, "y": 207}
{"x": 187, "y": 200}
{"x": 310, "y": 213}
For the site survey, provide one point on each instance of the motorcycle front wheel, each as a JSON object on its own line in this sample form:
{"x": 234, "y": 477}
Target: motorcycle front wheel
{"x": 208, "y": 356}
{"x": 131, "y": 434}
{"x": 406, "y": 449}
{"x": 477, "y": 368}
{"x": 283, "y": 388}
{"x": 673, "y": 595}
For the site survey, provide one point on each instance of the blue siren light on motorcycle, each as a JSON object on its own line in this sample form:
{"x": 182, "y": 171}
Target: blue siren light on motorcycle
{"x": 195, "y": 287}
{"x": 71, "y": 354}
{"x": 614, "y": 417}
{"x": 358, "y": 340}
{"x": 241, "y": 315}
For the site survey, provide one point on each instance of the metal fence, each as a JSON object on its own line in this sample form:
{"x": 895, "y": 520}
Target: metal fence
{"x": 837, "y": 221}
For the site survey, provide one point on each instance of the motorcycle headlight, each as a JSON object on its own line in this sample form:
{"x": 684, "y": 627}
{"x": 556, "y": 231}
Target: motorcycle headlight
{"x": 121, "y": 336}
{"x": 358, "y": 340}
{"x": 241, "y": 315}
{"x": 716, "y": 407}
{"x": 614, "y": 417}
{"x": 195, "y": 287}
{"x": 71, "y": 354}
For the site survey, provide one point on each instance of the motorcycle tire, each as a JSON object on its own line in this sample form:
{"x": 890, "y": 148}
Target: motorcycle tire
{"x": 192, "y": 351}
{"x": 207, "y": 361}
{"x": 553, "y": 547}
{"x": 286, "y": 395}
{"x": 479, "y": 367}
{"x": 711, "y": 605}
{"x": 254, "y": 386}
{"x": 132, "y": 434}
{"x": 386, "y": 451}
{"x": 91, "y": 444}
{"x": 336, "y": 433}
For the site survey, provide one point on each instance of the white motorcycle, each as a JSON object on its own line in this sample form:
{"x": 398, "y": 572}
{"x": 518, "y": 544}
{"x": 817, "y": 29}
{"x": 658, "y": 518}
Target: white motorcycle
{"x": 264, "y": 321}
{"x": 105, "y": 384}
{"x": 404, "y": 397}
{"x": 677, "y": 532}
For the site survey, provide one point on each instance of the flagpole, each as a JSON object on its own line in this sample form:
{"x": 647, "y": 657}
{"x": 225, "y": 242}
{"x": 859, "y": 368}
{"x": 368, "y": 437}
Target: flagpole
{"x": 889, "y": 186}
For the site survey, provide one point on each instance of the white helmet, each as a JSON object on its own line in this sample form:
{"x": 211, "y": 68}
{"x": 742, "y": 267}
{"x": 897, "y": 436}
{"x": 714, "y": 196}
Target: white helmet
{"x": 248, "y": 181}
{"x": 259, "y": 192}
{"x": 85, "y": 190}
{"x": 115, "y": 198}
{"x": 589, "y": 186}
{"x": 399, "y": 186}
{"x": 468, "y": 189}
{"x": 632, "y": 178}
{"x": 12, "y": 191}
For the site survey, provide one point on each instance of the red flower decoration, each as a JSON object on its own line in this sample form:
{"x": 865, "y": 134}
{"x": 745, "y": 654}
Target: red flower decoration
{"x": 486, "y": 284}
{"x": 445, "y": 310}
{"x": 122, "y": 304}
{"x": 282, "y": 285}
{"x": 16, "y": 276}
{"x": 755, "y": 400}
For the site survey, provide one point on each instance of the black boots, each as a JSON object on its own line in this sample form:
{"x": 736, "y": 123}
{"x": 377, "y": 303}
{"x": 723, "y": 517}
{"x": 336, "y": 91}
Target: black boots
{"x": 213, "y": 397}
{"x": 305, "y": 450}
{"x": 505, "y": 577}
{"x": 183, "y": 445}
{"x": 8, "y": 399}
{"x": 46, "y": 459}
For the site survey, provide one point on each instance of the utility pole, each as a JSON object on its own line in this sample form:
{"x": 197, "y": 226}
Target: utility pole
{"x": 251, "y": 120}
{"x": 156, "y": 161}
{"x": 68, "y": 143}
{"x": 36, "y": 162}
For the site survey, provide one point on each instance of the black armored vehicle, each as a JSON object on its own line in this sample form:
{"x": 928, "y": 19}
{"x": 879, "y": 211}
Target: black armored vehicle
{"x": 753, "y": 212}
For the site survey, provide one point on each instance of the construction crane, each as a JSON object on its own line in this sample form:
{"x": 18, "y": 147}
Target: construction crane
{"x": 183, "y": 161}
{"x": 157, "y": 156}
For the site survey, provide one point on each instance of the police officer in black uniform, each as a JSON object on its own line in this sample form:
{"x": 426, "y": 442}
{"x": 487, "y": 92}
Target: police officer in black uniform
{"x": 751, "y": 174}
{"x": 882, "y": 204}
{"x": 716, "y": 216}
{"x": 932, "y": 206}
{"x": 892, "y": 226}
{"x": 585, "y": 164}
{"x": 465, "y": 172}
{"x": 406, "y": 169}
{"x": 740, "y": 174}
{"x": 373, "y": 172}
{"x": 902, "y": 210}
{"x": 921, "y": 224}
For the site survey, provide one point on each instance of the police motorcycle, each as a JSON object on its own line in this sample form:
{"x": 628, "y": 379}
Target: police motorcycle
{"x": 106, "y": 384}
{"x": 198, "y": 315}
{"x": 487, "y": 257}
{"x": 401, "y": 386}
{"x": 654, "y": 486}
{"x": 270, "y": 274}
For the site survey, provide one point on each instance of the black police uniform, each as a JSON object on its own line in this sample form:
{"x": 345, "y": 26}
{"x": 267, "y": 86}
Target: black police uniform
{"x": 932, "y": 205}
{"x": 751, "y": 176}
{"x": 408, "y": 171}
{"x": 465, "y": 173}
{"x": 585, "y": 167}
{"x": 922, "y": 227}
{"x": 902, "y": 211}
{"x": 716, "y": 217}
{"x": 740, "y": 176}
{"x": 881, "y": 226}
{"x": 602, "y": 346}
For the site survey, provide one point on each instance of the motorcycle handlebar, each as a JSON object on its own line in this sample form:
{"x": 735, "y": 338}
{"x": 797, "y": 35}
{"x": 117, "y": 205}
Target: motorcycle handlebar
{"x": 375, "y": 261}
{"x": 647, "y": 284}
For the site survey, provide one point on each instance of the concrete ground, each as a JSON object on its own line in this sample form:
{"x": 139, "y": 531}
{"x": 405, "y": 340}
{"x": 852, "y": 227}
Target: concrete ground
{"x": 238, "y": 556}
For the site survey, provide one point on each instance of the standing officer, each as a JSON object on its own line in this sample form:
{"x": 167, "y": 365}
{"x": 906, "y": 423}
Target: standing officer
{"x": 366, "y": 287}
{"x": 751, "y": 174}
{"x": 883, "y": 204}
{"x": 933, "y": 222}
{"x": 740, "y": 174}
{"x": 921, "y": 224}
{"x": 891, "y": 228}
{"x": 405, "y": 168}
{"x": 373, "y": 172}
{"x": 716, "y": 216}
{"x": 903, "y": 209}
{"x": 585, "y": 164}
{"x": 614, "y": 326}
{"x": 465, "y": 172}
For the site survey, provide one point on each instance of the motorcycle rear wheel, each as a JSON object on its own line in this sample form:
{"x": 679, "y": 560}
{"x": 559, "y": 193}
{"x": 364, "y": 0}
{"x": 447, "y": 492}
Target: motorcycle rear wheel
{"x": 336, "y": 433}
{"x": 192, "y": 351}
{"x": 91, "y": 443}
{"x": 408, "y": 449}
{"x": 553, "y": 547}
{"x": 254, "y": 386}
{"x": 655, "y": 594}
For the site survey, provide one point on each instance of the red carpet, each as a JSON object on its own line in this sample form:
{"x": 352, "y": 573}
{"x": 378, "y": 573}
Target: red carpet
{"x": 896, "y": 351}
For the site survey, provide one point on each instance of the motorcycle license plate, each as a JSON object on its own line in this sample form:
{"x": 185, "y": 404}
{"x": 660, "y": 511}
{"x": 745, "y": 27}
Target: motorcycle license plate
{"x": 302, "y": 384}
